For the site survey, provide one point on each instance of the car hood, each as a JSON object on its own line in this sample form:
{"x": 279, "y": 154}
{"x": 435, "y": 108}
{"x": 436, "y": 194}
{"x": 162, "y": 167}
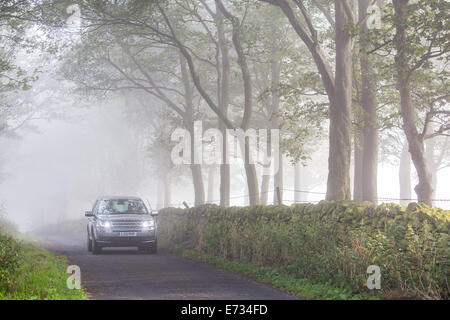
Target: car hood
{"x": 121, "y": 217}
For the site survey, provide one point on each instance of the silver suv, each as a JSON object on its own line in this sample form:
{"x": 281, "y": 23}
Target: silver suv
{"x": 121, "y": 222}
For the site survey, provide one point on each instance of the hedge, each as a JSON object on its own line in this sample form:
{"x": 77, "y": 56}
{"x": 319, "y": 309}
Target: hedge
{"x": 10, "y": 259}
{"x": 329, "y": 242}
{"x": 10, "y": 253}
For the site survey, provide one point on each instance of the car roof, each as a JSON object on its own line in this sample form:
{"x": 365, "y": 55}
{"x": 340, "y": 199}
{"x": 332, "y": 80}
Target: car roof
{"x": 118, "y": 198}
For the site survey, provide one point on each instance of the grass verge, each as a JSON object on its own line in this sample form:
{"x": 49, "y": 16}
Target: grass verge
{"x": 40, "y": 275}
{"x": 302, "y": 288}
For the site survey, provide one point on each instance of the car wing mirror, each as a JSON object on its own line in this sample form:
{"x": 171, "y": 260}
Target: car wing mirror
{"x": 154, "y": 213}
{"x": 88, "y": 214}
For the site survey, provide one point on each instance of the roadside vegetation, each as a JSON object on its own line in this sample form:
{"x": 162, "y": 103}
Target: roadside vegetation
{"x": 301, "y": 287}
{"x": 323, "y": 250}
{"x": 28, "y": 272}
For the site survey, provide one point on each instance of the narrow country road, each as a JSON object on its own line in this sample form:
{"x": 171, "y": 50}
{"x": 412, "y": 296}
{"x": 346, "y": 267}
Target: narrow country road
{"x": 124, "y": 273}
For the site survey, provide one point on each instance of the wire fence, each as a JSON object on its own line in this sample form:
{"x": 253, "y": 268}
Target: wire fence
{"x": 273, "y": 192}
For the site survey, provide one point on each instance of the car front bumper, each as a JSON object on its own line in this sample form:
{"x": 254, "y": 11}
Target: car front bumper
{"x": 113, "y": 239}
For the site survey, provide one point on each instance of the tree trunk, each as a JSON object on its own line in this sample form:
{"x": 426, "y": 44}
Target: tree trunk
{"x": 223, "y": 92}
{"x": 252, "y": 179}
{"x": 338, "y": 184}
{"x": 278, "y": 181}
{"x": 199, "y": 188}
{"x": 424, "y": 188}
{"x": 430, "y": 148}
{"x": 250, "y": 171}
{"x": 265, "y": 180}
{"x": 211, "y": 174}
{"x": 370, "y": 122}
{"x": 188, "y": 119}
{"x": 358, "y": 142}
{"x": 225, "y": 184}
{"x": 252, "y": 182}
{"x": 196, "y": 170}
{"x": 430, "y": 145}
{"x": 405, "y": 175}
{"x": 298, "y": 185}
{"x": 275, "y": 66}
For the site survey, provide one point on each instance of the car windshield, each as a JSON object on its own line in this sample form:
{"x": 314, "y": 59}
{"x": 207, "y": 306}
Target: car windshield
{"x": 121, "y": 206}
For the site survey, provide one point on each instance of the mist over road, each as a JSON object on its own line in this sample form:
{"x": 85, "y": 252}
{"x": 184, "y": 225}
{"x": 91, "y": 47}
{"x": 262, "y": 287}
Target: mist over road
{"x": 124, "y": 273}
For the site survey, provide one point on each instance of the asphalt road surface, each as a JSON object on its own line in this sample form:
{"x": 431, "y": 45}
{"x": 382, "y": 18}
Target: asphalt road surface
{"x": 123, "y": 273}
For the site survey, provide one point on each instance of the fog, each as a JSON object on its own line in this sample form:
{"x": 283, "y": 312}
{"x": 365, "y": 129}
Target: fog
{"x": 58, "y": 169}
{"x": 97, "y": 113}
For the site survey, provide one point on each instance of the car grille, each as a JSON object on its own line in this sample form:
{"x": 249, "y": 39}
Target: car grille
{"x": 126, "y": 226}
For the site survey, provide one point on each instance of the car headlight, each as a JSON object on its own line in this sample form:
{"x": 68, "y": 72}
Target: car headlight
{"x": 148, "y": 224}
{"x": 104, "y": 224}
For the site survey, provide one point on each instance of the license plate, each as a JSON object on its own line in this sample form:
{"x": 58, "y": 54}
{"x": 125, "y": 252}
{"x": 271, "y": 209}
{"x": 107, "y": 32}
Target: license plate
{"x": 127, "y": 234}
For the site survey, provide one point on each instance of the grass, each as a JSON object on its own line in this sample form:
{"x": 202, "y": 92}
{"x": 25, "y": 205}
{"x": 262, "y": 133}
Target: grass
{"x": 302, "y": 288}
{"x": 41, "y": 276}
